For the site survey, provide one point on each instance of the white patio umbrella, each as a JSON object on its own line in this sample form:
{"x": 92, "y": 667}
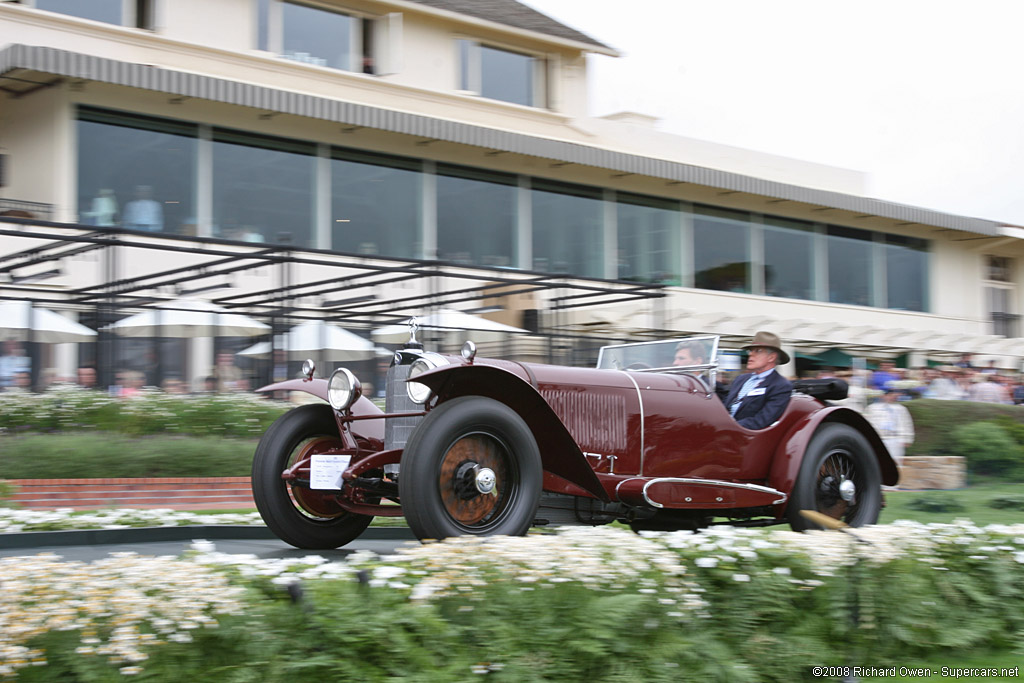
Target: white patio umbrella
{"x": 321, "y": 340}
{"x": 446, "y": 320}
{"x": 188, "y": 318}
{"x": 19, "y": 321}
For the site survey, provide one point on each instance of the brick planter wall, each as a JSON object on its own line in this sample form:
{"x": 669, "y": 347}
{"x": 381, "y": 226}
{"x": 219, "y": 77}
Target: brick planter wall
{"x": 179, "y": 493}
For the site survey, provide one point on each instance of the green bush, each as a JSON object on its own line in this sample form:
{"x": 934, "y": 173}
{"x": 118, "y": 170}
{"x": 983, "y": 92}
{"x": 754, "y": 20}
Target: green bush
{"x": 989, "y": 450}
{"x": 97, "y": 456}
{"x": 935, "y": 421}
{"x": 1007, "y": 503}
{"x": 152, "y": 412}
{"x": 936, "y": 502}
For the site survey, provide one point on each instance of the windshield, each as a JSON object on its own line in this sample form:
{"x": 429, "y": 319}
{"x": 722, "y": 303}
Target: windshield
{"x": 668, "y": 355}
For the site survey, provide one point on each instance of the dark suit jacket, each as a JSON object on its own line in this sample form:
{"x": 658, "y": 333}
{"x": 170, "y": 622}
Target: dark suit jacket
{"x": 759, "y": 410}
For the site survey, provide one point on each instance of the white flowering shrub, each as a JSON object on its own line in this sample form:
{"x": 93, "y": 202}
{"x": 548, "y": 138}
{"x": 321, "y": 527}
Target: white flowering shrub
{"x": 599, "y": 604}
{"x": 118, "y": 608}
{"x": 17, "y": 520}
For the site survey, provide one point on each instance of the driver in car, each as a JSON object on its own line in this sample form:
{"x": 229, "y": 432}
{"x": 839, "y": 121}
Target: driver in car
{"x": 689, "y": 353}
{"x": 759, "y": 397}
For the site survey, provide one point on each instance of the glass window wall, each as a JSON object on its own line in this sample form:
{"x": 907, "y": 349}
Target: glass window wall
{"x": 568, "y": 227}
{"x": 850, "y": 266}
{"x": 721, "y": 248}
{"x": 906, "y": 272}
{"x": 476, "y": 216}
{"x": 136, "y": 172}
{"x": 788, "y": 258}
{"x": 263, "y": 189}
{"x": 375, "y": 204}
{"x": 649, "y": 239}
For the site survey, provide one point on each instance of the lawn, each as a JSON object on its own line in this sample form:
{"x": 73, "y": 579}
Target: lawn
{"x": 973, "y": 502}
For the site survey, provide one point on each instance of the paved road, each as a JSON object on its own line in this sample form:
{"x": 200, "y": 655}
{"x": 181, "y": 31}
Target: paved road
{"x": 264, "y": 548}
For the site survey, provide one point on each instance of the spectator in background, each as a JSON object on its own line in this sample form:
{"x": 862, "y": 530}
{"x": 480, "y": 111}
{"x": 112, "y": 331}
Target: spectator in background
{"x": 226, "y": 373}
{"x": 103, "y": 211}
{"x": 987, "y": 389}
{"x": 885, "y": 374}
{"x": 1017, "y": 392}
{"x": 893, "y": 423}
{"x": 22, "y": 383}
{"x": 965, "y": 361}
{"x": 991, "y": 369}
{"x": 173, "y": 385}
{"x": 87, "y": 377}
{"x": 13, "y": 362}
{"x": 945, "y": 387}
{"x": 143, "y": 212}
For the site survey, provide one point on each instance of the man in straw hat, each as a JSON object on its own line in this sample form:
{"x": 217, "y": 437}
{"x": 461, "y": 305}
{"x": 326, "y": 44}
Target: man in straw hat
{"x": 758, "y": 398}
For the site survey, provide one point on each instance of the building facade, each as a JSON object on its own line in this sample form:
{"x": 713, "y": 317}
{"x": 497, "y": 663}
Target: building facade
{"x": 456, "y": 132}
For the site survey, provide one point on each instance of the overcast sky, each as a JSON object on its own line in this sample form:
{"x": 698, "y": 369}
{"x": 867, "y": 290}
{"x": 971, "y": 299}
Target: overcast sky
{"x": 925, "y": 96}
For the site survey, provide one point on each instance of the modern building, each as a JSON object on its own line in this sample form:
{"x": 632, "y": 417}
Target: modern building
{"x": 448, "y": 140}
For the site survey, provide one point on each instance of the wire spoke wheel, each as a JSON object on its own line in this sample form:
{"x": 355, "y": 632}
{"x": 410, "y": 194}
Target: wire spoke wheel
{"x": 839, "y": 476}
{"x": 838, "y": 483}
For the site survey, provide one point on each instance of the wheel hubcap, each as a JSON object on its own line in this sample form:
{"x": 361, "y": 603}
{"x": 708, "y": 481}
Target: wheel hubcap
{"x": 485, "y": 480}
{"x": 837, "y": 487}
{"x": 474, "y": 480}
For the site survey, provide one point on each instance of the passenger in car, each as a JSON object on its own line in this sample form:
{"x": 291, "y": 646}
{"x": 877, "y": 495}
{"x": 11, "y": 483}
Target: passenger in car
{"x": 758, "y": 398}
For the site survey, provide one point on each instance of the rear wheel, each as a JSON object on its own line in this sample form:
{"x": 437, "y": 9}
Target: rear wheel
{"x": 471, "y": 467}
{"x": 839, "y": 477}
{"x": 297, "y": 514}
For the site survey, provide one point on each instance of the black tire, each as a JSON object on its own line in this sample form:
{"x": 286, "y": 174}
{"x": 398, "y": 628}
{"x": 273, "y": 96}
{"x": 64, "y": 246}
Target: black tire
{"x": 298, "y": 515}
{"x": 837, "y": 452}
{"x": 437, "y": 481}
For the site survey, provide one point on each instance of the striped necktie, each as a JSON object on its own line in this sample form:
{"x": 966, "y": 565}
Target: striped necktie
{"x": 744, "y": 390}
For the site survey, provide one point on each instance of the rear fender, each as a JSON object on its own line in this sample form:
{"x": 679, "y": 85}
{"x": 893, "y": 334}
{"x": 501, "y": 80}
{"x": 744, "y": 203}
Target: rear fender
{"x": 790, "y": 453}
{"x": 559, "y": 453}
{"x": 363, "y": 407}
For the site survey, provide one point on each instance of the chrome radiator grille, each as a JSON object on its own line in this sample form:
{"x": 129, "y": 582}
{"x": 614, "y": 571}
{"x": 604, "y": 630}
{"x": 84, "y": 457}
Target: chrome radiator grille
{"x": 398, "y": 429}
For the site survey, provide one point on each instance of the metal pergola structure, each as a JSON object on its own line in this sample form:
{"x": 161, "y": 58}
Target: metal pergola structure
{"x": 105, "y": 274}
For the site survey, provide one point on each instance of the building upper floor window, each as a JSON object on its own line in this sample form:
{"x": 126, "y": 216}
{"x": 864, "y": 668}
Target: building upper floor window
{"x": 136, "y": 13}
{"x": 499, "y": 74}
{"x": 331, "y": 38}
{"x": 999, "y": 269}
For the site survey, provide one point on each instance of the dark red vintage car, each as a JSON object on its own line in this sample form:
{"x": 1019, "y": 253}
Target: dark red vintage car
{"x": 469, "y": 445}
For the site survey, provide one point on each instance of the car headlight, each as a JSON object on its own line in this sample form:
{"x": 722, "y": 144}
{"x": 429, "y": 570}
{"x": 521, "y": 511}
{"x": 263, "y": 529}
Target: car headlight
{"x": 419, "y": 393}
{"x": 343, "y": 389}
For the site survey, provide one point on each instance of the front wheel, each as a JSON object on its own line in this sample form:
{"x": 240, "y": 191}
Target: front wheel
{"x": 839, "y": 477}
{"x": 298, "y": 515}
{"x": 471, "y": 467}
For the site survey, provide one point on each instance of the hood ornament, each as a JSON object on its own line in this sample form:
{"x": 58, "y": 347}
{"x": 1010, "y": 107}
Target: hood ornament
{"x": 414, "y": 325}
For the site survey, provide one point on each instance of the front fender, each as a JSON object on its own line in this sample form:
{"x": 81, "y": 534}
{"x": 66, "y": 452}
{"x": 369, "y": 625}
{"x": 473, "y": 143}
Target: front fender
{"x": 790, "y": 453}
{"x": 560, "y": 454}
{"x": 317, "y": 387}
{"x": 363, "y": 407}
